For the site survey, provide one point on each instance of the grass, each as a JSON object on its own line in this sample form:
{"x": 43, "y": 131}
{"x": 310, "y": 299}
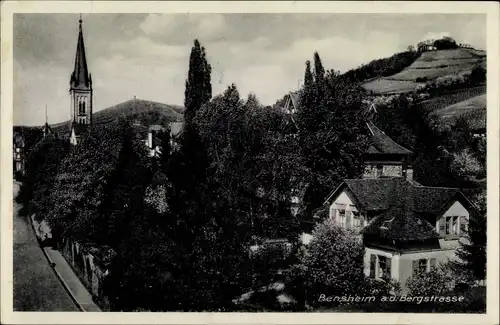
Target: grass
{"x": 474, "y": 109}
{"x": 451, "y": 98}
{"x": 430, "y": 65}
{"x": 385, "y": 85}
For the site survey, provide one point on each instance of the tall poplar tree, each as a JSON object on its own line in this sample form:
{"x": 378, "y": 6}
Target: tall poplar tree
{"x": 198, "y": 87}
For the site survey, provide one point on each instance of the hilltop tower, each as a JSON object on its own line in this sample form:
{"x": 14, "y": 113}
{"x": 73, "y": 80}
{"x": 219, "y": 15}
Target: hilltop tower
{"x": 80, "y": 91}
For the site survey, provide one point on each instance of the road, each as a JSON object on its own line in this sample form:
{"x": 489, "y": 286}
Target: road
{"x": 36, "y": 287}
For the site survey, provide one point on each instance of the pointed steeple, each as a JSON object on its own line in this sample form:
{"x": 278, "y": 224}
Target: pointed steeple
{"x": 80, "y": 77}
{"x": 46, "y": 128}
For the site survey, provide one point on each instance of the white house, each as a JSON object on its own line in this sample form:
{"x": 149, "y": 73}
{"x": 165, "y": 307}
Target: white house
{"x": 406, "y": 228}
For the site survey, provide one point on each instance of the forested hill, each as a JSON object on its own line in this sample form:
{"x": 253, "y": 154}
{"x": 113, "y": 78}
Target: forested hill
{"x": 382, "y": 67}
{"x": 137, "y": 111}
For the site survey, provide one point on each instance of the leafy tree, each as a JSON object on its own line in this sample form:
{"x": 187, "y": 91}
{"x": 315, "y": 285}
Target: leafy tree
{"x": 478, "y": 75}
{"x": 124, "y": 193}
{"x": 381, "y": 67}
{"x": 334, "y": 263}
{"x": 319, "y": 70}
{"x": 198, "y": 87}
{"x": 42, "y": 165}
{"x": 396, "y": 120}
{"x": 438, "y": 282}
{"x": 332, "y": 135}
{"x": 472, "y": 254}
{"x": 465, "y": 164}
{"x": 445, "y": 43}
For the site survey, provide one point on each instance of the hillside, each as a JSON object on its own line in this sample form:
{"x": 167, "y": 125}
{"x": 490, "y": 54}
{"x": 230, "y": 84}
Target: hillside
{"x": 450, "y": 98}
{"x": 137, "y": 111}
{"x": 381, "y": 67}
{"x": 474, "y": 109}
{"x": 428, "y": 66}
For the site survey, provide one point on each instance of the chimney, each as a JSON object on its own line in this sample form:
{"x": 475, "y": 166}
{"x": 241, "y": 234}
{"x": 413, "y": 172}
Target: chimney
{"x": 150, "y": 139}
{"x": 409, "y": 173}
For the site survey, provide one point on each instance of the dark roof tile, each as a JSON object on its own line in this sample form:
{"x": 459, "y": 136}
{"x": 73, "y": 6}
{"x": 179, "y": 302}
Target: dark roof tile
{"x": 382, "y": 144}
{"x": 401, "y": 206}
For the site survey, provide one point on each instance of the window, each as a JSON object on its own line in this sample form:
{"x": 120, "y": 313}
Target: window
{"x": 18, "y": 166}
{"x": 18, "y": 149}
{"x": 380, "y": 267}
{"x": 452, "y": 225}
{"x": 18, "y": 156}
{"x": 342, "y": 219}
{"x": 463, "y": 225}
{"x": 423, "y": 265}
{"x": 356, "y": 219}
{"x": 81, "y": 108}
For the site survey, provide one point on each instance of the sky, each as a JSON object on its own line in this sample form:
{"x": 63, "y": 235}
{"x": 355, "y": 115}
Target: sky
{"x": 147, "y": 55}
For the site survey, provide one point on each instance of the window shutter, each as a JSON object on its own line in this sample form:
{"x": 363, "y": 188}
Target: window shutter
{"x": 387, "y": 271}
{"x": 463, "y": 225}
{"x": 348, "y": 219}
{"x": 373, "y": 263}
{"x": 442, "y": 231}
{"x": 432, "y": 263}
{"x": 415, "y": 267}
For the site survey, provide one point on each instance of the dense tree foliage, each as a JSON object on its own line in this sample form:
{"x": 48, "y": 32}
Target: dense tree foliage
{"x": 332, "y": 133}
{"x": 381, "y": 67}
{"x": 445, "y": 43}
{"x": 90, "y": 178}
{"x": 441, "y": 156}
{"x": 333, "y": 263}
{"x": 41, "y": 169}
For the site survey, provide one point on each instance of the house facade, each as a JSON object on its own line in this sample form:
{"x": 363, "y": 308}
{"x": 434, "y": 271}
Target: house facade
{"x": 406, "y": 228}
{"x": 19, "y": 153}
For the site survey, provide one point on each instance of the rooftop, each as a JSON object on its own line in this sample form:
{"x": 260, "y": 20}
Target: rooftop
{"x": 382, "y": 144}
{"x": 402, "y": 208}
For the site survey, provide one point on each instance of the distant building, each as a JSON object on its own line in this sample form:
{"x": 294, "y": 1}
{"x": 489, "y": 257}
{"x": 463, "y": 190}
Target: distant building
{"x": 19, "y": 153}
{"x": 153, "y": 142}
{"x": 81, "y": 92}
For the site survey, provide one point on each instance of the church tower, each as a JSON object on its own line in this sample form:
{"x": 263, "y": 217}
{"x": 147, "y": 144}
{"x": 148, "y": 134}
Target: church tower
{"x": 81, "y": 85}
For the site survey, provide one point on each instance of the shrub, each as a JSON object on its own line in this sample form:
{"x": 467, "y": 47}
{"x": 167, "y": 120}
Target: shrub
{"x": 439, "y": 281}
{"x": 333, "y": 264}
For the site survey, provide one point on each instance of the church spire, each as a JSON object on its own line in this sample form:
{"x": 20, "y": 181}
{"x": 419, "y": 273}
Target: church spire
{"x": 46, "y": 128}
{"x": 80, "y": 77}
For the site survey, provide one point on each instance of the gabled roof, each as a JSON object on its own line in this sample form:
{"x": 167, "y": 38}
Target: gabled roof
{"x": 382, "y": 144}
{"x": 376, "y": 194}
{"x": 401, "y": 205}
{"x": 80, "y": 78}
{"x": 176, "y": 128}
{"x": 400, "y": 224}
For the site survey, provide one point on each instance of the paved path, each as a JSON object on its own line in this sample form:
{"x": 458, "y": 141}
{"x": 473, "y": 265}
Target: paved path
{"x": 36, "y": 287}
{"x": 64, "y": 270}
